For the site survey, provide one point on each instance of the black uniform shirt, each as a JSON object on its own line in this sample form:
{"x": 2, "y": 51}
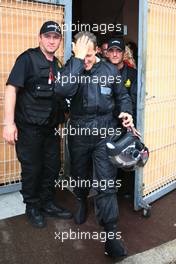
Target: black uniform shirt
{"x": 129, "y": 79}
{"x": 21, "y": 73}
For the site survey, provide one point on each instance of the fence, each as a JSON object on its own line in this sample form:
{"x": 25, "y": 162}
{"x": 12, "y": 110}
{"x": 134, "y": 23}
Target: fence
{"x": 157, "y": 105}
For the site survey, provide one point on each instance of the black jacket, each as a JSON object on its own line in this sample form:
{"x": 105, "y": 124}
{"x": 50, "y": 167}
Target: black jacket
{"x": 129, "y": 79}
{"x": 37, "y": 103}
{"x": 95, "y": 92}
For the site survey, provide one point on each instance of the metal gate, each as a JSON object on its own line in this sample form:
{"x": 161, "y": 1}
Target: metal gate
{"x": 157, "y": 99}
{"x": 20, "y": 22}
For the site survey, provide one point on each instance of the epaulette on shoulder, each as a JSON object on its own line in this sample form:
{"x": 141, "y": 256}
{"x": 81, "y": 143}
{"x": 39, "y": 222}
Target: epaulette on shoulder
{"x": 31, "y": 50}
{"x": 23, "y": 53}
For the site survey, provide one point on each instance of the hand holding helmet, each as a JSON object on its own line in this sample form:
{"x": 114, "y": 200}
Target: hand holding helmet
{"x": 127, "y": 151}
{"x": 127, "y": 120}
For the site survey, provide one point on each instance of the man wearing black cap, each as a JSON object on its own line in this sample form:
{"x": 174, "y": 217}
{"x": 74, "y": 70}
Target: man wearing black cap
{"x": 116, "y": 51}
{"x": 32, "y": 111}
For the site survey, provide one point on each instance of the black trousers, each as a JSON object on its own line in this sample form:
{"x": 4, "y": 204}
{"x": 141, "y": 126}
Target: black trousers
{"x": 38, "y": 150}
{"x": 84, "y": 150}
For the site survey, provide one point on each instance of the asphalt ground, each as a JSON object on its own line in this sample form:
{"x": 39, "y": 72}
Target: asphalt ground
{"x": 20, "y": 243}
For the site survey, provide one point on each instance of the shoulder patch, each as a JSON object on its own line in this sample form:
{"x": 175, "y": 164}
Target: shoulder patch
{"x": 128, "y": 83}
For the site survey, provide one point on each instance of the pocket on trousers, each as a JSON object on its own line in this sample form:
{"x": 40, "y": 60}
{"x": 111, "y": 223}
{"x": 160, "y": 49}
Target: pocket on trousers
{"x": 37, "y": 111}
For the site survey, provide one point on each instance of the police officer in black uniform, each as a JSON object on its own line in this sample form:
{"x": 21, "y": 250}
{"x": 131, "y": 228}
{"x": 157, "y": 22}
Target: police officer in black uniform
{"x": 97, "y": 100}
{"x": 116, "y": 51}
{"x": 115, "y": 54}
{"x": 32, "y": 111}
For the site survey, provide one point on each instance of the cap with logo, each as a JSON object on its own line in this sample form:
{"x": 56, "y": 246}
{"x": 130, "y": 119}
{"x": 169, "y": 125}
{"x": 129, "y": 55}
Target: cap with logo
{"x": 116, "y": 43}
{"x": 50, "y": 26}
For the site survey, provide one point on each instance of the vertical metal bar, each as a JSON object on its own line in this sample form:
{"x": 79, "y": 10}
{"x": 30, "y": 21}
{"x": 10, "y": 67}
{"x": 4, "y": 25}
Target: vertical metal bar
{"x": 142, "y": 52}
{"x": 3, "y": 72}
{"x": 67, "y": 21}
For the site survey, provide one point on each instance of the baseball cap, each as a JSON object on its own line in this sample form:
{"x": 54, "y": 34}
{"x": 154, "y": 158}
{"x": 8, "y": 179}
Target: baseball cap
{"x": 50, "y": 26}
{"x": 116, "y": 43}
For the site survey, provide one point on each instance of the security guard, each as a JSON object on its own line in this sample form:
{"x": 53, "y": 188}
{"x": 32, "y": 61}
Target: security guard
{"x": 97, "y": 99}
{"x": 115, "y": 54}
{"x": 32, "y": 111}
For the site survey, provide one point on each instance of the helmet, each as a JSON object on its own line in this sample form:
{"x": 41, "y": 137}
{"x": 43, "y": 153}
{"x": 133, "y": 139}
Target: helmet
{"x": 127, "y": 151}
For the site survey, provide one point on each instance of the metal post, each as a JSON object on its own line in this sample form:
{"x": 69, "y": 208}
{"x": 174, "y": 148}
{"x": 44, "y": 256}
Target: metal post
{"x": 68, "y": 32}
{"x": 142, "y": 54}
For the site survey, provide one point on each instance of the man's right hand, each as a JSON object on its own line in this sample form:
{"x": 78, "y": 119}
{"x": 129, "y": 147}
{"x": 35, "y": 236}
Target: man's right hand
{"x": 10, "y": 133}
{"x": 80, "y": 48}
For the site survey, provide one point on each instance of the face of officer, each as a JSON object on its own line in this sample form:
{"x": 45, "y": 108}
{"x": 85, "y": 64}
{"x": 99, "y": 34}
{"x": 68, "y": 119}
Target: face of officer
{"x": 116, "y": 57}
{"x": 49, "y": 42}
{"x": 90, "y": 58}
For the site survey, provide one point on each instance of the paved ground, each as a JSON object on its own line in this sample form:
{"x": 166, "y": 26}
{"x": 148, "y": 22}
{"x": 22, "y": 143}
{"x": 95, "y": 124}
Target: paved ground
{"x": 20, "y": 243}
{"x": 11, "y": 205}
{"x": 164, "y": 254}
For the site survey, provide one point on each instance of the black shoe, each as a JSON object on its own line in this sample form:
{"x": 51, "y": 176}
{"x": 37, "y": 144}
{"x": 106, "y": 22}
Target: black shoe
{"x": 115, "y": 248}
{"x": 50, "y": 209}
{"x": 81, "y": 215}
{"x": 35, "y": 217}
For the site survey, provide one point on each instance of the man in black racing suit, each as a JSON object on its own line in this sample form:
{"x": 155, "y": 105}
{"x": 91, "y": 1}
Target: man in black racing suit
{"x": 98, "y": 100}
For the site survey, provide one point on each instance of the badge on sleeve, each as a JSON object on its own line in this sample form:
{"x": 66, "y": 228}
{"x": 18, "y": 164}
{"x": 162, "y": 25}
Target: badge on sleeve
{"x": 128, "y": 83}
